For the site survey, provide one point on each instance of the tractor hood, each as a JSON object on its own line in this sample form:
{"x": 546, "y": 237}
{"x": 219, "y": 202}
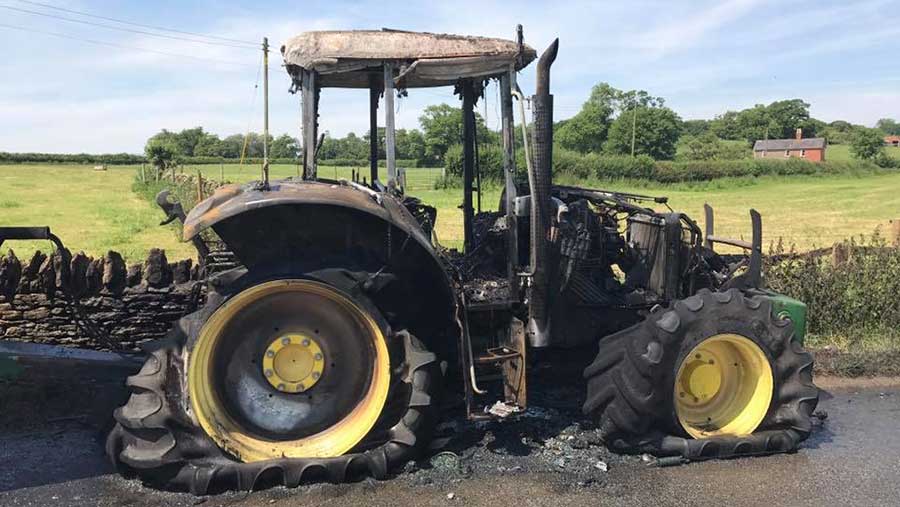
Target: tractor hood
{"x": 232, "y": 200}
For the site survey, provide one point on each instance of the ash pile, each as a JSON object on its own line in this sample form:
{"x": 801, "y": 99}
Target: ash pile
{"x": 551, "y": 436}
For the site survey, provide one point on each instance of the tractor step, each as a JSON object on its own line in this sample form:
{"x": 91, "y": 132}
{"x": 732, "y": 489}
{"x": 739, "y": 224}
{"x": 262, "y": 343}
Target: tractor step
{"x": 497, "y": 355}
{"x": 504, "y": 365}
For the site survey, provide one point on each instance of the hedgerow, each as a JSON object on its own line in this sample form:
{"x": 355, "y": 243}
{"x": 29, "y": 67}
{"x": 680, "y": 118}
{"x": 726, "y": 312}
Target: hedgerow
{"x": 585, "y": 166}
{"x": 859, "y": 291}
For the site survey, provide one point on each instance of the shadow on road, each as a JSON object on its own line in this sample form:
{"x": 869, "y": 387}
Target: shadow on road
{"x": 56, "y": 454}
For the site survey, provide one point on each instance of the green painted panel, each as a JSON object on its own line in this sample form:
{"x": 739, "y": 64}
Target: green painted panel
{"x": 794, "y": 309}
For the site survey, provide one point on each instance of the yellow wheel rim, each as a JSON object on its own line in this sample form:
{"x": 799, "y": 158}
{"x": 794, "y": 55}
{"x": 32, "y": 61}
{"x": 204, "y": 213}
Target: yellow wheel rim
{"x": 724, "y": 386}
{"x": 295, "y": 367}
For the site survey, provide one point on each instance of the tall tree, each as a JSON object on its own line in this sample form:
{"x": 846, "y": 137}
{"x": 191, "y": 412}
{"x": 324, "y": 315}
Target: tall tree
{"x": 232, "y": 145}
{"x": 187, "y": 140}
{"x": 789, "y": 115}
{"x": 889, "y": 126}
{"x": 695, "y": 127}
{"x": 442, "y": 128}
{"x": 756, "y": 123}
{"x": 655, "y": 130}
{"x": 725, "y": 126}
{"x": 587, "y": 130}
{"x": 162, "y": 153}
{"x": 410, "y": 144}
{"x": 209, "y": 145}
{"x": 867, "y": 144}
{"x": 284, "y": 146}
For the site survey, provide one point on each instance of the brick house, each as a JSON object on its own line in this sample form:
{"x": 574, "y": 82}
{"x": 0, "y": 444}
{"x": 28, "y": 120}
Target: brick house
{"x": 812, "y": 149}
{"x": 892, "y": 140}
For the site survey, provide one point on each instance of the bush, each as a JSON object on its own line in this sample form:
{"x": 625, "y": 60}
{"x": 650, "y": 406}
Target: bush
{"x": 705, "y": 170}
{"x": 202, "y": 160}
{"x": 77, "y": 158}
{"x": 886, "y": 161}
{"x": 857, "y": 295}
{"x": 709, "y": 147}
{"x": 447, "y": 181}
{"x": 490, "y": 161}
{"x": 867, "y": 144}
{"x": 584, "y": 166}
{"x": 351, "y": 162}
{"x": 130, "y": 159}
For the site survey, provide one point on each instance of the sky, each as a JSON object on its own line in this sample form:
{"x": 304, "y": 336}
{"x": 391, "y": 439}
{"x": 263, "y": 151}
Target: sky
{"x": 62, "y": 95}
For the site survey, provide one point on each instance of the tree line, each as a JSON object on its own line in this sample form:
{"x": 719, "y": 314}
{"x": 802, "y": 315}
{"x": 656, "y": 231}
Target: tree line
{"x": 196, "y": 142}
{"x": 610, "y": 122}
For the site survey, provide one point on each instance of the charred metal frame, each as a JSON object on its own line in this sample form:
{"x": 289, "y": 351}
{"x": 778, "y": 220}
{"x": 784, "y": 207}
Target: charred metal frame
{"x": 507, "y": 84}
{"x": 390, "y": 142}
{"x": 310, "y": 104}
{"x": 468, "y": 116}
{"x": 374, "y": 93}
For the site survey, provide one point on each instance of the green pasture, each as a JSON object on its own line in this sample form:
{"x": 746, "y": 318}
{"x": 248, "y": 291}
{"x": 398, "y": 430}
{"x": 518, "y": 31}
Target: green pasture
{"x": 96, "y": 211}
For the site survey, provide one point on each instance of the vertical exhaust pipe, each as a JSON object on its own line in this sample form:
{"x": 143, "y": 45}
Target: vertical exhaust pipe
{"x": 539, "y": 292}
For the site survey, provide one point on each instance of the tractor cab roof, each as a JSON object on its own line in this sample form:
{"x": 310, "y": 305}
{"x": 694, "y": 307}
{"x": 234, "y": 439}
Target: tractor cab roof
{"x": 347, "y": 59}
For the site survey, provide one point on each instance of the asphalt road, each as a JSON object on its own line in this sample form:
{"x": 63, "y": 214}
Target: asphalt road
{"x": 853, "y": 458}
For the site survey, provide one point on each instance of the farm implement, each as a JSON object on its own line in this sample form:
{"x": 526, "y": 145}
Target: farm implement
{"x": 325, "y": 352}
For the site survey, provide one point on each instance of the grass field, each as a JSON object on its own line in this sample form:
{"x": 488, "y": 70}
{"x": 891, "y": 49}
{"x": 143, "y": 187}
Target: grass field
{"x": 841, "y": 152}
{"x": 96, "y": 211}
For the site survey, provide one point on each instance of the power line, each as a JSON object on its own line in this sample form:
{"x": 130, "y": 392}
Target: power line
{"x": 122, "y": 46}
{"x": 80, "y": 13}
{"x": 110, "y": 27}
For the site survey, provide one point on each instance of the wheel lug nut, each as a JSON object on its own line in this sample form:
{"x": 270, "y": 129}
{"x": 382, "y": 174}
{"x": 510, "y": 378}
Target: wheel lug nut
{"x": 281, "y": 387}
{"x": 316, "y": 375}
{"x": 270, "y": 353}
{"x": 301, "y": 388}
{"x": 269, "y": 373}
{"x": 286, "y": 341}
{"x": 318, "y": 356}
{"x": 306, "y": 342}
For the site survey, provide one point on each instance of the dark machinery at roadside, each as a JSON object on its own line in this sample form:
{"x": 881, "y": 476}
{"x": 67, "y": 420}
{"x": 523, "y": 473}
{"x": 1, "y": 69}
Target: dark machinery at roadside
{"x": 323, "y": 353}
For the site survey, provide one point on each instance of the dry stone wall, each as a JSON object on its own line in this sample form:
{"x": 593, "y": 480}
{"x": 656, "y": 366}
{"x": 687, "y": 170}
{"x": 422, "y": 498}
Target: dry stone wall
{"x": 80, "y": 301}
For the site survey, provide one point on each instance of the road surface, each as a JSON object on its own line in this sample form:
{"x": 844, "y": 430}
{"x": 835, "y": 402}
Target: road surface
{"x": 853, "y": 458}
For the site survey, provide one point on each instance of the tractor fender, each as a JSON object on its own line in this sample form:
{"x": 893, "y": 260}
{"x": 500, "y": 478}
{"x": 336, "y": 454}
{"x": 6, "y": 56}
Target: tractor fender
{"x": 301, "y": 226}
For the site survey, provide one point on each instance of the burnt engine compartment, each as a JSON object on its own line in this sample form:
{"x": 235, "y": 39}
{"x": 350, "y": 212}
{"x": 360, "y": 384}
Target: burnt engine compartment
{"x": 614, "y": 258}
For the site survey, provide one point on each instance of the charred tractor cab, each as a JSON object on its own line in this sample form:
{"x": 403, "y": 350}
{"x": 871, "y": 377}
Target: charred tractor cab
{"x": 323, "y": 354}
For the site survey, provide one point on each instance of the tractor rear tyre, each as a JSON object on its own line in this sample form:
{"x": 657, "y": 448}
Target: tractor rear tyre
{"x": 285, "y": 382}
{"x": 715, "y": 375}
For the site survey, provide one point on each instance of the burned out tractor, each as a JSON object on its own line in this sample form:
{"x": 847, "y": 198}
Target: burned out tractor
{"x": 323, "y": 354}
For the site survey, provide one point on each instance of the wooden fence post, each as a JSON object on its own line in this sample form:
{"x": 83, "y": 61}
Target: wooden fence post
{"x": 199, "y": 186}
{"x": 840, "y": 253}
{"x": 895, "y": 232}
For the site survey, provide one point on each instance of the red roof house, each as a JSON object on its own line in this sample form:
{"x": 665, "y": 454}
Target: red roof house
{"x": 812, "y": 149}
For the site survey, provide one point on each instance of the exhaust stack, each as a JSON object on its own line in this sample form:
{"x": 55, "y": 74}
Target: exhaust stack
{"x": 539, "y": 294}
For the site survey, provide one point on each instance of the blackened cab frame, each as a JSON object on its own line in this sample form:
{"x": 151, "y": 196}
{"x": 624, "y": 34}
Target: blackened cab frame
{"x": 385, "y": 60}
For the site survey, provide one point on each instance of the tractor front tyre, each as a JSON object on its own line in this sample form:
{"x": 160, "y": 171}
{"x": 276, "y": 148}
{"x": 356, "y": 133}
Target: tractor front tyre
{"x": 716, "y": 375}
{"x": 265, "y": 392}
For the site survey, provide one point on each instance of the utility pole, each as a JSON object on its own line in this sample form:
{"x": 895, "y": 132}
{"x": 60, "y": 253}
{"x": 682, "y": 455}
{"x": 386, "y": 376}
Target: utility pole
{"x": 633, "y": 127}
{"x": 265, "y": 48}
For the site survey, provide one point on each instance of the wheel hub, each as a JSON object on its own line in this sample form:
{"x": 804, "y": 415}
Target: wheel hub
{"x": 293, "y": 363}
{"x": 701, "y": 379}
{"x": 724, "y": 386}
